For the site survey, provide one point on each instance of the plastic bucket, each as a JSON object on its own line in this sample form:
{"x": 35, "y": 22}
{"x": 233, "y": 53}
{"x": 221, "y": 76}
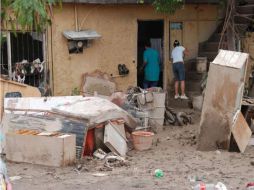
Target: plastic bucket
{"x": 142, "y": 140}
{"x": 159, "y": 99}
{"x": 201, "y": 64}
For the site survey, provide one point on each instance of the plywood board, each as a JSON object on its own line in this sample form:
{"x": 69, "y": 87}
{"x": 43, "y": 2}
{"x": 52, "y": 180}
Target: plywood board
{"x": 241, "y": 132}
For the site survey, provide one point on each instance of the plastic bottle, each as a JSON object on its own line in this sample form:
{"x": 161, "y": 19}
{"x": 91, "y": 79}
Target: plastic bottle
{"x": 250, "y": 186}
{"x": 158, "y": 173}
{"x": 203, "y": 186}
{"x": 2, "y": 183}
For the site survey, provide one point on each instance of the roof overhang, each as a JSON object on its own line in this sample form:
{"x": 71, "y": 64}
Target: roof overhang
{"x": 135, "y": 1}
{"x": 81, "y": 35}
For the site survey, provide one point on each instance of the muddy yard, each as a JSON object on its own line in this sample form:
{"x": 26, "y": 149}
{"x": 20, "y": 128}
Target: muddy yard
{"x": 174, "y": 151}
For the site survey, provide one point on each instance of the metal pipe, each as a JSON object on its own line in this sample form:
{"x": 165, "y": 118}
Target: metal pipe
{"x": 76, "y": 16}
{"x": 9, "y": 55}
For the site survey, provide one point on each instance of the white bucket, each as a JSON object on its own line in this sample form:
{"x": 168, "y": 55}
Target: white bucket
{"x": 198, "y": 102}
{"x": 201, "y": 66}
{"x": 157, "y": 115}
{"x": 159, "y": 99}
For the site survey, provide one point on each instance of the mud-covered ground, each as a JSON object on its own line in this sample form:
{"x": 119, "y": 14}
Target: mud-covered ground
{"x": 174, "y": 151}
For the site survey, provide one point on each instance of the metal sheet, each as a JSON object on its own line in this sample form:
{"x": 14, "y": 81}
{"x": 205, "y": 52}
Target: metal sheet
{"x": 81, "y": 35}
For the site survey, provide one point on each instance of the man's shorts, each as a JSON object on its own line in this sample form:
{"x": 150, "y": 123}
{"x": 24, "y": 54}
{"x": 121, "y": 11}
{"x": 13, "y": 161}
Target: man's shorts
{"x": 179, "y": 71}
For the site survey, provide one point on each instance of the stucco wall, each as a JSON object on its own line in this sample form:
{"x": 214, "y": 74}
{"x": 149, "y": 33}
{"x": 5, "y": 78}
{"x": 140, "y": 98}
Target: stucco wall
{"x": 12, "y": 86}
{"x": 118, "y": 26}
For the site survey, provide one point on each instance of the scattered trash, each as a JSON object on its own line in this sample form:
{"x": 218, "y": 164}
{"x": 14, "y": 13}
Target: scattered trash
{"x": 203, "y": 186}
{"x": 194, "y": 179}
{"x": 180, "y": 118}
{"x": 100, "y": 154}
{"x": 99, "y": 174}
{"x": 218, "y": 152}
{"x": 158, "y": 173}
{"x": 250, "y": 186}
{"x": 220, "y": 186}
{"x": 112, "y": 160}
{"x": 15, "y": 178}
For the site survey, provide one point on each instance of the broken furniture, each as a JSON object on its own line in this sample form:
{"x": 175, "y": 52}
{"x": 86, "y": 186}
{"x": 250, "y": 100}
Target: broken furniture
{"x": 72, "y": 115}
{"x": 44, "y": 148}
{"x": 220, "y": 117}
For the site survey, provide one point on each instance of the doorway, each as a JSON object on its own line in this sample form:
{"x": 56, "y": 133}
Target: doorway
{"x": 152, "y": 31}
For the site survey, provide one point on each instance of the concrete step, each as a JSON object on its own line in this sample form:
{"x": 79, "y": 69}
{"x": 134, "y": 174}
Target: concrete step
{"x": 241, "y": 20}
{"x": 210, "y": 46}
{"x": 192, "y": 86}
{"x": 210, "y": 55}
{"x": 194, "y": 76}
{"x": 178, "y": 103}
{"x": 245, "y": 9}
{"x": 245, "y": 2}
{"x": 215, "y": 37}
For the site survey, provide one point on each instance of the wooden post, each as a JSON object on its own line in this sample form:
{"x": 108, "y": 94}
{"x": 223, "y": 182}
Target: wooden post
{"x": 9, "y": 55}
{"x": 44, "y": 57}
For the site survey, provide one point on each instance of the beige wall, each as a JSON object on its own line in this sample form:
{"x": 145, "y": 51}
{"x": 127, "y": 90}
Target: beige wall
{"x": 118, "y": 26}
{"x": 11, "y": 86}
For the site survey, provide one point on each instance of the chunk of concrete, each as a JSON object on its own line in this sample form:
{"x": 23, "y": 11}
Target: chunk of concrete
{"x": 39, "y": 149}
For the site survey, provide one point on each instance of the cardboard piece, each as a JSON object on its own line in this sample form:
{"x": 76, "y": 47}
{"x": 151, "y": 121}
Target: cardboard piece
{"x": 43, "y": 150}
{"x": 241, "y": 132}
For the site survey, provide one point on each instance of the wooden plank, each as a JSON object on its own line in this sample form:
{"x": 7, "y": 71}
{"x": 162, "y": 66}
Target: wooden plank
{"x": 241, "y": 132}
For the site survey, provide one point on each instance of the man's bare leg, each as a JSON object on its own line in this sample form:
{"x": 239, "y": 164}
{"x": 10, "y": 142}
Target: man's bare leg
{"x": 183, "y": 87}
{"x": 183, "y": 95}
{"x": 176, "y": 89}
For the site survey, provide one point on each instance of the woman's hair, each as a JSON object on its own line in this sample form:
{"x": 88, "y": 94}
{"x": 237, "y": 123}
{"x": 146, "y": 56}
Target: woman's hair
{"x": 147, "y": 43}
{"x": 176, "y": 43}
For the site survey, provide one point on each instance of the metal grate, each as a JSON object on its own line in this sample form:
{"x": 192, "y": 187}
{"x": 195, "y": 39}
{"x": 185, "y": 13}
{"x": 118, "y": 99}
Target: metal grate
{"x": 26, "y": 58}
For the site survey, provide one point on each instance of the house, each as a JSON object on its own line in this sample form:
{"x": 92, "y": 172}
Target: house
{"x": 115, "y": 31}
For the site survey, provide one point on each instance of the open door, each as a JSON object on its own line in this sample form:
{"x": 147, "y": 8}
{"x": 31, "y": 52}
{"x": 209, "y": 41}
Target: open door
{"x": 149, "y": 30}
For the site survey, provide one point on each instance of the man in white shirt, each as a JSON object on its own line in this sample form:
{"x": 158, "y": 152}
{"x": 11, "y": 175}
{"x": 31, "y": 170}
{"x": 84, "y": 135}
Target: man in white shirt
{"x": 178, "y": 68}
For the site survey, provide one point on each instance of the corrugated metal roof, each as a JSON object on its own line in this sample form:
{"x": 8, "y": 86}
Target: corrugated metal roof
{"x": 135, "y": 1}
{"x": 231, "y": 59}
{"x": 81, "y": 35}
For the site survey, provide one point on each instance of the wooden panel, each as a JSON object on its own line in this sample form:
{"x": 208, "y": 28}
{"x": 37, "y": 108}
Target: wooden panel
{"x": 241, "y": 132}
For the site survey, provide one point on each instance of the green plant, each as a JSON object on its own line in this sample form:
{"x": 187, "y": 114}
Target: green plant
{"x": 75, "y": 91}
{"x": 168, "y": 6}
{"x": 27, "y": 14}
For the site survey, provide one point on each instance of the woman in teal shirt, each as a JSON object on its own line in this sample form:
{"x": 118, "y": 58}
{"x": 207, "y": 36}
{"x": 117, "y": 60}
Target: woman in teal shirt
{"x": 152, "y": 67}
